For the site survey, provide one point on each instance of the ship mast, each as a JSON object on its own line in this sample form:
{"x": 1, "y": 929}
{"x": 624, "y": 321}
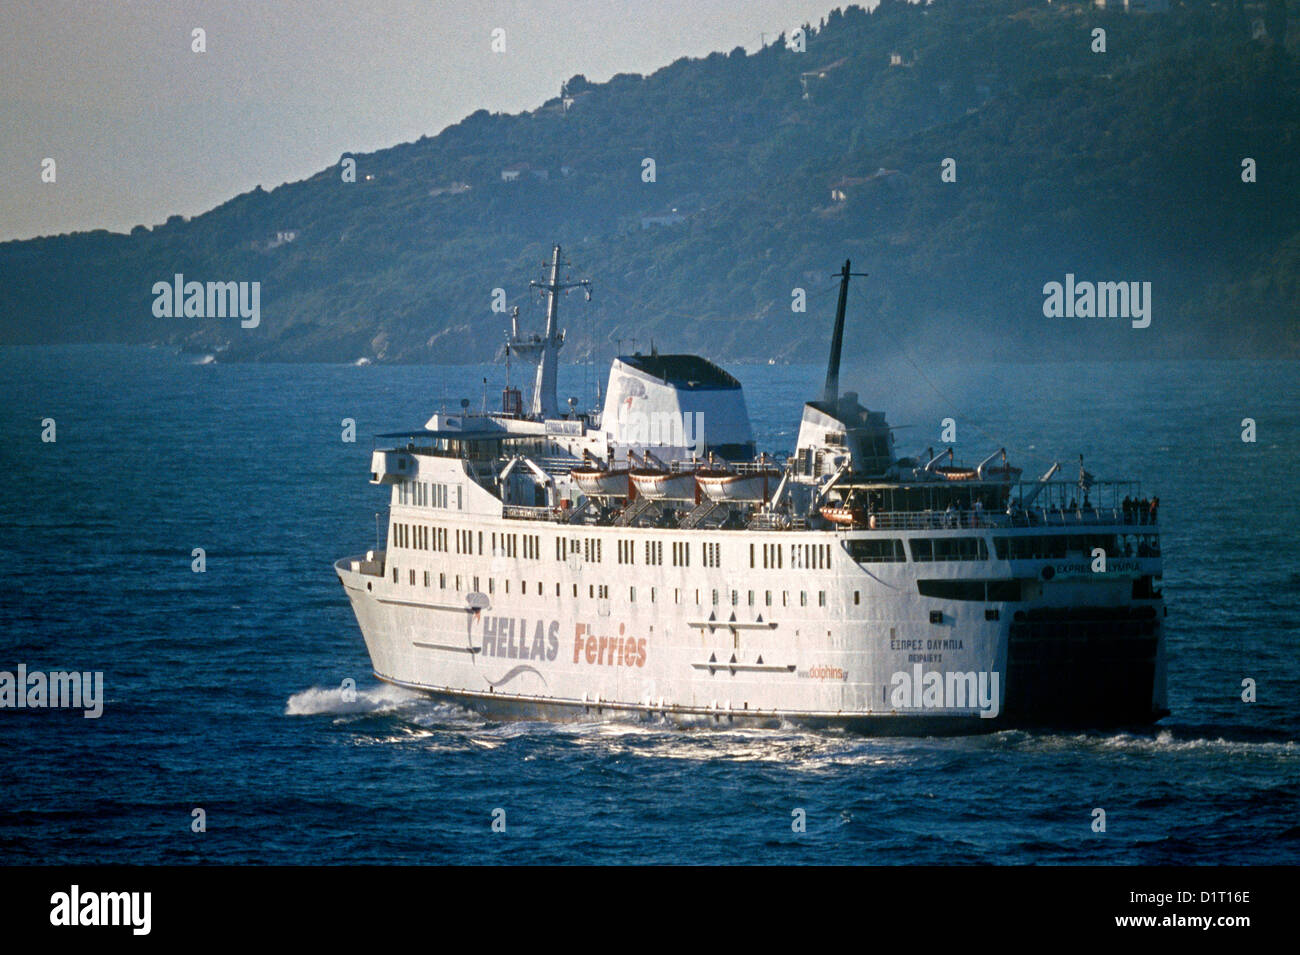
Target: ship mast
{"x": 832, "y": 393}
{"x": 544, "y": 403}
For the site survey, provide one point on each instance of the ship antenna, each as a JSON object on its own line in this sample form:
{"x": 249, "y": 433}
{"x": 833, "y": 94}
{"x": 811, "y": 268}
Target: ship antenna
{"x": 832, "y": 394}
{"x": 544, "y": 402}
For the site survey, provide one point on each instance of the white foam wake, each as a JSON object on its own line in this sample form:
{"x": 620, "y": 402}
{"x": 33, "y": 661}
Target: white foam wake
{"x": 335, "y": 700}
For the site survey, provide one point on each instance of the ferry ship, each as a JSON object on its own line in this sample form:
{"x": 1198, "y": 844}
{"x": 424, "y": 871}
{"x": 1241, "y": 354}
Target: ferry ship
{"x": 642, "y": 561}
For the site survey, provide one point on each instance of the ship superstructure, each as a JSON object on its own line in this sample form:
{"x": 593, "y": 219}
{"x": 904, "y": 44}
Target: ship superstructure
{"x": 643, "y": 560}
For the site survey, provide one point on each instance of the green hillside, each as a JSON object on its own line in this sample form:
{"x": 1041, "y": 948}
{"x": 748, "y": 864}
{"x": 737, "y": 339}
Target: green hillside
{"x": 770, "y": 169}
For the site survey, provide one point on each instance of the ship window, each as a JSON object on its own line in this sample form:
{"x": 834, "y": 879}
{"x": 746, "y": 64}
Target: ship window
{"x": 951, "y": 589}
{"x": 751, "y": 598}
{"x": 735, "y": 598}
{"x": 426, "y": 578}
{"x": 856, "y": 598}
{"x": 949, "y": 548}
{"x": 557, "y": 588}
{"x": 591, "y": 591}
{"x": 993, "y": 591}
{"x": 476, "y": 583}
{"x": 874, "y": 550}
{"x": 652, "y": 595}
{"x": 480, "y": 542}
{"x": 767, "y": 598}
{"x": 575, "y": 590}
{"x": 1003, "y": 591}
{"x": 785, "y": 598}
{"x": 803, "y": 598}
{"x": 751, "y": 555}
{"x": 539, "y": 588}
{"x": 715, "y": 598}
{"x": 458, "y": 583}
{"x": 412, "y": 577}
{"x": 677, "y": 595}
{"x": 631, "y": 595}
{"x": 821, "y": 598}
{"x": 492, "y": 585}
{"x": 394, "y": 575}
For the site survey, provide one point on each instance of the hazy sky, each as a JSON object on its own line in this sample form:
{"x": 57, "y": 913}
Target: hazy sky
{"x": 141, "y": 127}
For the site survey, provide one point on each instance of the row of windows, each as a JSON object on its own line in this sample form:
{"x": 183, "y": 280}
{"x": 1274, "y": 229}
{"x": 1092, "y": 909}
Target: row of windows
{"x": 601, "y": 591}
{"x": 810, "y": 556}
{"x": 802, "y": 556}
{"x": 427, "y": 494}
{"x": 508, "y": 545}
{"x": 419, "y": 537}
{"x": 1059, "y": 546}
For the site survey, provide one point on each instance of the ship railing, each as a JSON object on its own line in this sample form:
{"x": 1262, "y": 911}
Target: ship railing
{"x": 520, "y": 512}
{"x": 975, "y": 519}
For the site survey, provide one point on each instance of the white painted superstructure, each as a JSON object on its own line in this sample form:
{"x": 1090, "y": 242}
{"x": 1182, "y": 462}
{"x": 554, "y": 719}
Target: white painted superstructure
{"x": 928, "y": 605}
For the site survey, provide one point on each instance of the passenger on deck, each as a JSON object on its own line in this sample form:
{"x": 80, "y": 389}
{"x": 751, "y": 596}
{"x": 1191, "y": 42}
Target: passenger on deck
{"x": 1155, "y": 507}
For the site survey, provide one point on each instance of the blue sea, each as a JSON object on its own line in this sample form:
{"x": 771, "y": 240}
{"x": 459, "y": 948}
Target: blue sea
{"x": 222, "y": 687}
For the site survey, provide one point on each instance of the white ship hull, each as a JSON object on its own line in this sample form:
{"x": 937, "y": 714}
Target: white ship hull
{"x": 817, "y": 647}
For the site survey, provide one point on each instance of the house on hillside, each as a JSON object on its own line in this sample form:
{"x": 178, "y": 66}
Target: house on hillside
{"x": 812, "y": 76}
{"x": 843, "y": 188}
{"x": 1134, "y": 6}
{"x": 672, "y": 217}
{"x": 513, "y": 171}
{"x": 453, "y": 189}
